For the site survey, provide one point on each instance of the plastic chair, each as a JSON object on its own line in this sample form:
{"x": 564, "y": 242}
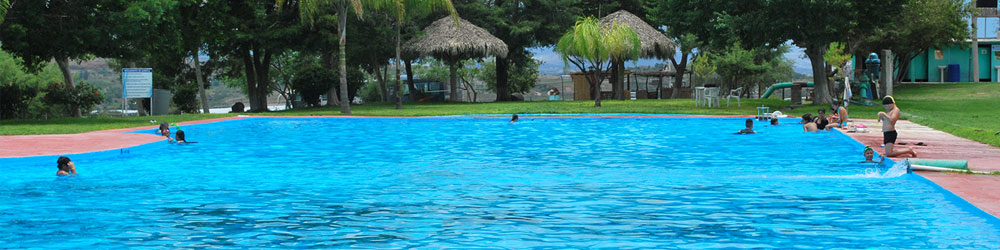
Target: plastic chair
{"x": 734, "y": 93}
{"x": 711, "y": 94}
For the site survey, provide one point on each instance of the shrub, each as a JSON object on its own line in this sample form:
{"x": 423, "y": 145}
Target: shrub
{"x": 83, "y": 96}
{"x": 185, "y": 97}
{"x": 312, "y": 82}
{"x": 15, "y": 99}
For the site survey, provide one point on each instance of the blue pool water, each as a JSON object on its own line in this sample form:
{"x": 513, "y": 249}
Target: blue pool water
{"x": 471, "y": 183}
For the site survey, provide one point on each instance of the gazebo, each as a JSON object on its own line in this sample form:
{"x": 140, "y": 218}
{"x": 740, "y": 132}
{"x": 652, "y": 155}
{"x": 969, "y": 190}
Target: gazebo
{"x": 450, "y": 42}
{"x": 654, "y": 44}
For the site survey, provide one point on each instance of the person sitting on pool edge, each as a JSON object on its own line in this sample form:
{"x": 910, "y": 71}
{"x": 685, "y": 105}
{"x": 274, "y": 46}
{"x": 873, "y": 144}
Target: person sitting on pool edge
{"x": 870, "y": 155}
{"x": 839, "y": 116}
{"x": 513, "y": 118}
{"x": 749, "y": 129}
{"x": 809, "y": 124}
{"x": 66, "y": 166}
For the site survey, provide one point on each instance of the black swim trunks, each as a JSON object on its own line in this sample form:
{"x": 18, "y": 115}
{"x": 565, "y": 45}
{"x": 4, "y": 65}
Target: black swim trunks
{"x": 889, "y": 137}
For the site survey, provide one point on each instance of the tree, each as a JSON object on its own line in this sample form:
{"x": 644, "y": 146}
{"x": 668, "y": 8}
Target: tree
{"x": 924, "y": 24}
{"x": 522, "y": 76}
{"x": 247, "y": 35}
{"x": 693, "y": 24}
{"x": 309, "y": 11}
{"x": 40, "y": 31}
{"x": 521, "y": 25}
{"x": 587, "y": 43}
{"x": 4, "y": 5}
{"x": 812, "y": 25}
{"x": 401, "y": 11}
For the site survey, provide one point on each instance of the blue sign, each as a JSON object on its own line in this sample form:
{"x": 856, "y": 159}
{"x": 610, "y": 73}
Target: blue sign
{"x": 137, "y": 83}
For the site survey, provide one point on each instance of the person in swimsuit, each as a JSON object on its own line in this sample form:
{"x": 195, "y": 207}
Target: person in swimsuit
{"x": 809, "y": 124}
{"x": 889, "y": 129}
{"x": 839, "y": 117}
{"x": 821, "y": 120}
{"x": 66, "y": 166}
{"x": 179, "y": 136}
{"x": 774, "y": 121}
{"x": 870, "y": 156}
{"x": 513, "y": 119}
{"x": 749, "y": 129}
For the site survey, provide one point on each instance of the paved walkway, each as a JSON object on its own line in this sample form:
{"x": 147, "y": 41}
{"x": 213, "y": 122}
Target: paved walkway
{"x": 980, "y": 190}
{"x": 38, "y": 145}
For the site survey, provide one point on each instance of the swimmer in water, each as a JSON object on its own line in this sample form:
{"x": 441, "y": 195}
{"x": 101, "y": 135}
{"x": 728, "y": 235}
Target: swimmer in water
{"x": 749, "y": 129}
{"x": 870, "y": 155}
{"x": 513, "y": 119}
{"x": 66, "y": 166}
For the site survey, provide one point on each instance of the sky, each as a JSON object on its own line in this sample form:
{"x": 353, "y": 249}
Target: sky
{"x": 552, "y": 63}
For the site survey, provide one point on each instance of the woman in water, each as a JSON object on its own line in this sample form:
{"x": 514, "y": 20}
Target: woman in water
{"x": 66, "y": 166}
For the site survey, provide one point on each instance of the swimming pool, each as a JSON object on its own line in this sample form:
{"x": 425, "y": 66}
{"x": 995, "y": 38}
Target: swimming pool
{"x": 470, "y": 183}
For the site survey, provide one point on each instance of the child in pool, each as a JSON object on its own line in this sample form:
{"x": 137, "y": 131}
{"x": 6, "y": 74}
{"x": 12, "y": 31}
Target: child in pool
{"x": 66, "y": 166}
{"x": 870, "y": 155}
{"x": 749, "y": 129}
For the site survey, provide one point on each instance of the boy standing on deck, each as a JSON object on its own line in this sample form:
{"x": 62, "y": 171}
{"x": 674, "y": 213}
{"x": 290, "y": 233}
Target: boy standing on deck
{"x": 889, "y": 128}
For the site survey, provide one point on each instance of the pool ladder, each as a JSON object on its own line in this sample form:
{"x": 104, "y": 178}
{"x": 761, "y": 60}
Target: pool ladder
{"x": 763, "y": 113}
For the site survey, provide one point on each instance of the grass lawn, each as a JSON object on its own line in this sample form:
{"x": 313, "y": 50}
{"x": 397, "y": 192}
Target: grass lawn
{"x": 677, "y": 106}
{"x": 80, "y": 125}
{"x": 966, "y": 110}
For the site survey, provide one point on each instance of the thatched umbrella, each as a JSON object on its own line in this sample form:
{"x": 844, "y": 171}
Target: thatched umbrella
{"x": 452, "y": 43}
{"x": 654, "y": 43}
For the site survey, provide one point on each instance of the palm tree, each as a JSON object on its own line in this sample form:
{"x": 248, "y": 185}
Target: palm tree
{"x": 401, "y": 11}
{"x": 4, "y": 5}
{"x": 308, "y": 10}
{"x": 589, "y": 42}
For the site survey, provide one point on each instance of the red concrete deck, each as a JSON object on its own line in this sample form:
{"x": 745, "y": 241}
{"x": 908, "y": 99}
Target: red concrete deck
{"x": 980, "y": 190}
{"x": 37, "y": 145}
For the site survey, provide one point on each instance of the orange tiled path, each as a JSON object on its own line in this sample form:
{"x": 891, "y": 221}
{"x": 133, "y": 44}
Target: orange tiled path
{"x": 980, "y": 190}
{"x": 36, "y": 145}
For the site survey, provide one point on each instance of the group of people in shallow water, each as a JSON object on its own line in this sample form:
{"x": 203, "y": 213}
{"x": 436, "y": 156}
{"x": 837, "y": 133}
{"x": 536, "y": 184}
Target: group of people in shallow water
{"x": 838, "y": 119}
{"x": 67, "y": 167}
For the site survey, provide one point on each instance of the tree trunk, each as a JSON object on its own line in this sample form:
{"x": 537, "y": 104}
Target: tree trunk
{"x": 409, "y": 79}
{"x": 251, "y": 77}
{"x": 68, "y": 80}
{"x": 380, "y": 78}
{"x": 619, "y": 73}
{"x": 904, "y": 66}
{"x": 201, "y": 83}
{"x": 472, "y": 90}
{"x": 679, "y": 69}
{"x": 502, "y": 86}
{"x": 345, "y": 102}
{"x": 261, "y": 67}
{"x": 326, "y": 60}
{"x": 399, "y": 86}
{"x": 815, "y": 54}
{"x": 453, "y": 80}
{"x": 597, "y": 87}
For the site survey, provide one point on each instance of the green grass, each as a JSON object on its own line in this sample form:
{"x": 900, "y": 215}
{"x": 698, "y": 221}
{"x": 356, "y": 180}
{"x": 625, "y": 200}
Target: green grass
{"x": 966, "y": 110}
{"x": 80, "y": 125}
{"x": 677, "y": 106}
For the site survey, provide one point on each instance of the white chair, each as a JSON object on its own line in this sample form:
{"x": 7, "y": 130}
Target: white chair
{"x": 699, "y": 92}
{"x": 711, "y": 94}
{"x": 734, "y": 93}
